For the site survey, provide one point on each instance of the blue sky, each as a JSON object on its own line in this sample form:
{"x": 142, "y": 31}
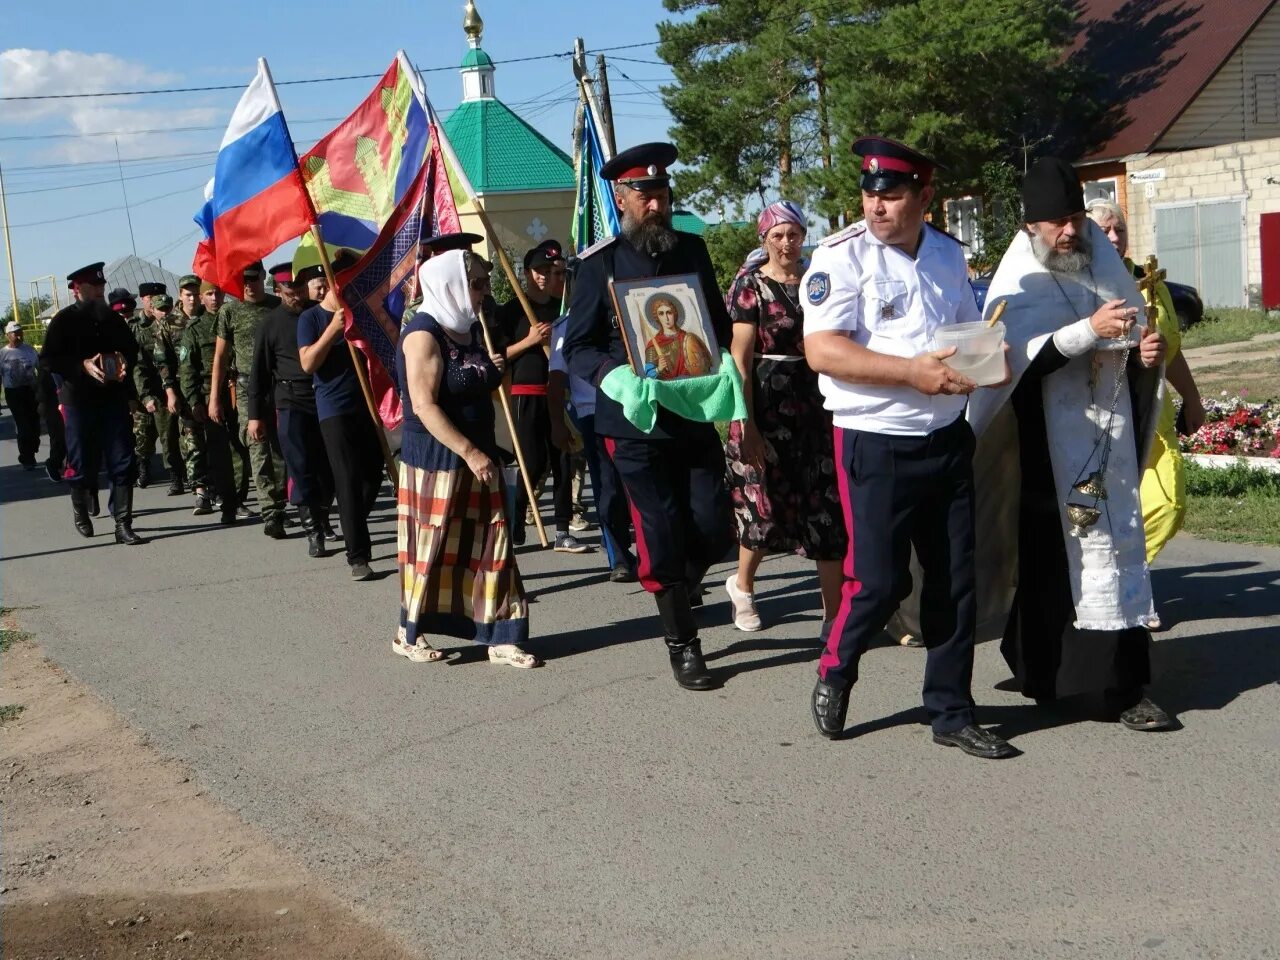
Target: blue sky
{"x": 53, "y": 172}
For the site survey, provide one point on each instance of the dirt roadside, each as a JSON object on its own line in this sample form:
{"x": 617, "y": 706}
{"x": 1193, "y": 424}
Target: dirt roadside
{"x": 112, "y": 851}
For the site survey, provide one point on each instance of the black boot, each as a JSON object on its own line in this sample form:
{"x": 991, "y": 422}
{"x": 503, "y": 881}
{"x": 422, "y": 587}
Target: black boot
{"x": 681, "y": 635}
{"x": 315, "y": 539}
{"x": 94, "y": 507}
{"x": 326, "y": 529}
{"x": 144, "y": 473}
{"x": 122, "y": 494}
{"x": 274, "y": 528}
{"x": 80, "y": 511}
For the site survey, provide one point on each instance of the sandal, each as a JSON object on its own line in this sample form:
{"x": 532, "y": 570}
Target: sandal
{"x": 513, "y": 656}
{"x": 420, "y": 652}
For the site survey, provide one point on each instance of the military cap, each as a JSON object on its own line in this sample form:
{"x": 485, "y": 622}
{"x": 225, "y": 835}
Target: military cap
{"x": 90, "y": 274}
{"x": 162, "y": 301}
{"x": 543, "y": 255}
{"x": 188, "y": 280}
{"x": 282, "y": 272}
{"x": 253, "y": 271}
{"x": 450, "y": 241}
{"x": 206, "y": 286}
{"x": 641, "y": 166}
{"x": 125, "y": 305}
{"x": 308, "y": 273}
{"x": 119, "y": 295}
{"x": 887, "y": 164}
{"x": 151, "y": 289}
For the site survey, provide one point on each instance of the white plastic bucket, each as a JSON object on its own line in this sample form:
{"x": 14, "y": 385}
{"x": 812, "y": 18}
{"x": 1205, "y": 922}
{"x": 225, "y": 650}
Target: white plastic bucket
{"x": 979, "y": 350}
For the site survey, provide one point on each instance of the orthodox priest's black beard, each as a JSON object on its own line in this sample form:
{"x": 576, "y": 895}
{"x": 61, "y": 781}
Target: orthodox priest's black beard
{"x": 1072, "y": 262}
{"x": 652, "y": 235}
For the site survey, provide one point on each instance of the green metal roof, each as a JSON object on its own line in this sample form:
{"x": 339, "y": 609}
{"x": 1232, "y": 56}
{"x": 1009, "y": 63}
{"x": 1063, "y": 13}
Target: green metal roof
{"x": 476, "y": 58}
{"x": 503, "y": 154}
{"x": 688, "y": 222}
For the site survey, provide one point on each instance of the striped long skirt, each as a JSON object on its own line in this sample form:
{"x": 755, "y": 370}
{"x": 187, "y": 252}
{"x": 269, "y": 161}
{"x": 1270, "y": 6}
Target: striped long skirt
{"x": 458, "y": 577}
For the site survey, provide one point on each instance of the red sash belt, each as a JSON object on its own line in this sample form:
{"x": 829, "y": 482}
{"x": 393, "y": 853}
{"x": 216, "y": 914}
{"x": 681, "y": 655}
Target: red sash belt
{"x": 528, "y": 389}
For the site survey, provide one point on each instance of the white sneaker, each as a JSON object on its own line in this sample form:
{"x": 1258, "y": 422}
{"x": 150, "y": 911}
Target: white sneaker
{"x": 416, "y": 652}
{"x": 745, "y": 617}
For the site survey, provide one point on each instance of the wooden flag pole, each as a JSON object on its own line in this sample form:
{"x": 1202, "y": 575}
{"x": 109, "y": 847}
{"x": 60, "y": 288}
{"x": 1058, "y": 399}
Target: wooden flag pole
{"x": 358, "y": 361}
{"x": 451, "y": 159}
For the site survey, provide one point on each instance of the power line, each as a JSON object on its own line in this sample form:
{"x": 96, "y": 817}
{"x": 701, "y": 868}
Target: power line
{"x": 94, "y": 213}
{"x": 95, "y": 183}
{"x": 133, "y": 133}
{"x": 288, "y": 83}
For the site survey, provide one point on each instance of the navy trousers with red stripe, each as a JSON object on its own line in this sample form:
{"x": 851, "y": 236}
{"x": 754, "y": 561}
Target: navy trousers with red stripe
{"x": 902, "y": 492}
{"x": 678, "y": 502}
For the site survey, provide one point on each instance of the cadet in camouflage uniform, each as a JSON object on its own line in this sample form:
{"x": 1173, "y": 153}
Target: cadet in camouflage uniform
{"x": 207, "y": 444}
{"x": 238, "y": 323}
{"x": 155, "y": 376}
{"x": 144, "y": 422}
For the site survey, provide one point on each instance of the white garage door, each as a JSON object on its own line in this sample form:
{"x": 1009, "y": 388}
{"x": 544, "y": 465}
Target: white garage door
{"x": 1202, "y": 244}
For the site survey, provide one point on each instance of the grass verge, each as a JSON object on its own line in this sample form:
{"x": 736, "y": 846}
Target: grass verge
{"x": 1228, "y": 325}
{"x": 10, "y": 711}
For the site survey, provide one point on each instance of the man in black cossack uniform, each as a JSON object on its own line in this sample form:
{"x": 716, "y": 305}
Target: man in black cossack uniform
{"x": 89, "y": 350}
{"x": 674, "y": 474}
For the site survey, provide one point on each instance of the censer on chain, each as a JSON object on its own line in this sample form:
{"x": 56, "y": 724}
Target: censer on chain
{"x": 1089, "y": 488}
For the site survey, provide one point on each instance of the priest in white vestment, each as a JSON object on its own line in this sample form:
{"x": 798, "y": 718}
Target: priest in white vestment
{"x": 1059, "y": 460}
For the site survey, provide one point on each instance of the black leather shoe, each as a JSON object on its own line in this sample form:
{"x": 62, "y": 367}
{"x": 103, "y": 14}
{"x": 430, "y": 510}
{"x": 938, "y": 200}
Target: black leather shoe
{"x": 977, "y": 742}
{"x": 622, "y": 574}
{"x": 1145, "y": 715}
{"x": 688, "y": 666}
{"x": 829, "y": 704}
{"x": 125, "y": 534}
{"x": 54, "y": 472}
{"x": 274, "y": 528}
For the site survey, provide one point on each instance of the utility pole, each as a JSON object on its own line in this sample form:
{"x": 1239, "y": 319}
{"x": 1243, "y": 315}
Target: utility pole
{"x": 606, "y": 108}
{"x": 8, "y": 246}
{"x": 127, "y": 215}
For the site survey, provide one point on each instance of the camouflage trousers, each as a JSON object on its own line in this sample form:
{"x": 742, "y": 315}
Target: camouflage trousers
{"x": 147, "y": 427}
{"x": 267, "y": 465}
{"x": 194, "y": 454}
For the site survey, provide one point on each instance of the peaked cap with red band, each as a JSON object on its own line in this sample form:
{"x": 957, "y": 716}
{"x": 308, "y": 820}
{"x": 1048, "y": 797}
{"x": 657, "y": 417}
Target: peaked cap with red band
{"x": 282, "y": 272}
{"x": 887, "y": 164}
{"x": 641, "y": 166}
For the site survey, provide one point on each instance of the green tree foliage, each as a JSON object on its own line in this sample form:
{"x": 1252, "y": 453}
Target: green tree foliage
{"x": 771, "y": 98}
{"x": 742, "y": 98}
{"x": 729, "y": 244}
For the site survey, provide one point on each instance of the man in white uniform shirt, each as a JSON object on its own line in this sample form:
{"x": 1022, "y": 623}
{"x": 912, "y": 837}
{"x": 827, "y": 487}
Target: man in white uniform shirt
{"x": 876, "y": 293}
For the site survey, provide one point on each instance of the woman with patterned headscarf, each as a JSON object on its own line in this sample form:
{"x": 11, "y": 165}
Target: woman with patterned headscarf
{"x": 781, "y": 458}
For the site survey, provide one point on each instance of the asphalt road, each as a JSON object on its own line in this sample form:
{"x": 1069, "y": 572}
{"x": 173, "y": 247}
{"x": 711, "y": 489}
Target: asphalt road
{"x": 592, "y": 809}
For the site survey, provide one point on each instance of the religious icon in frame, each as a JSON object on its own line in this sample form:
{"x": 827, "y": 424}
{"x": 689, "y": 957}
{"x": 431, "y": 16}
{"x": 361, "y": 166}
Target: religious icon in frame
{"x": 666, "y": 327}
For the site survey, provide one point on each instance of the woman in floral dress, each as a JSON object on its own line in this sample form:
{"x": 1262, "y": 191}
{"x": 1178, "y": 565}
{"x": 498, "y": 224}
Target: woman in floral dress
{"x": 781, "y": 458}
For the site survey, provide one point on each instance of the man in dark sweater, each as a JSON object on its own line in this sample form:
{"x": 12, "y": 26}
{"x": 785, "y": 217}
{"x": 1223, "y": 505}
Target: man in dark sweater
{"x": 277, "y": 375}
{"x": 542, "y": 431}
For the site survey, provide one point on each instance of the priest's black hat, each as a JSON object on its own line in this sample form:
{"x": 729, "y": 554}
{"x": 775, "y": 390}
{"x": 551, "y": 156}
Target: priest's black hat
{"x": 1051, "y": 190}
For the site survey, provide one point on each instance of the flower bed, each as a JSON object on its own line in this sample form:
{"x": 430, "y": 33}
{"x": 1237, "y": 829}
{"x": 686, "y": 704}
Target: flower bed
{"x": 1235, "y": 427}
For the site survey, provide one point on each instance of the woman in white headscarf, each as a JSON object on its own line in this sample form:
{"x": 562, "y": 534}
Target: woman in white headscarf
{"x": 457, "y": 573}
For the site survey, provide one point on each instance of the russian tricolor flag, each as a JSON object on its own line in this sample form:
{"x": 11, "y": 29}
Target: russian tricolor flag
{"x": 256, "y": 200}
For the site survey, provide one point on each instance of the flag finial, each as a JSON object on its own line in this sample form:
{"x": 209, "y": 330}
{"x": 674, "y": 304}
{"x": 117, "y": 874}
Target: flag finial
{"x": 472, "y": 25}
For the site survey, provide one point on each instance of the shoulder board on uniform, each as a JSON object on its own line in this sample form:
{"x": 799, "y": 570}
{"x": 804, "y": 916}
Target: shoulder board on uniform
{"x": 943, "y": 233}
{"x": 840, "y": 236}
{"x": 596, "y": 247}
